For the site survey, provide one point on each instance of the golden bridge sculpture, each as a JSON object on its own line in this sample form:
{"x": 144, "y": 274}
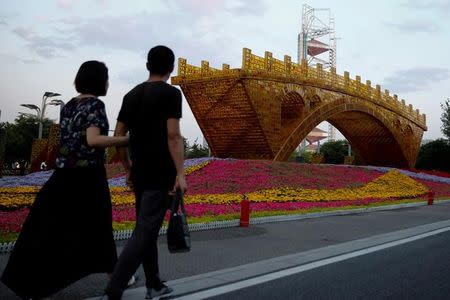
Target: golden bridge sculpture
{"x": 266, "y": 108}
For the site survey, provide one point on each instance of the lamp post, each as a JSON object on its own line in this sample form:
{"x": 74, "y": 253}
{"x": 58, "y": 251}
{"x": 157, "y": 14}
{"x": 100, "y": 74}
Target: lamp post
{"x": 44, "y": 104}
{"x": 58, "y": 102}
{"x": 33, "y": 107}
{"x": 41, "y": 111}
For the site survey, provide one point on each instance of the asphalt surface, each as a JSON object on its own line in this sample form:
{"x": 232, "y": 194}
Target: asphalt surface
{"x": 415, "y": 270}
{"x": 224, "y": 248}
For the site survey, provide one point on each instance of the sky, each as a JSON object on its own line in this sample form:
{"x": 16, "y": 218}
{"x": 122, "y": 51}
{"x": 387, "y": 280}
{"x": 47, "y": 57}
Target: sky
{"x": 401, "y": 44}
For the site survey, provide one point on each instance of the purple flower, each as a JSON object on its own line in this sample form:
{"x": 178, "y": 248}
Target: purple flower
{"x": 33, "y": 179}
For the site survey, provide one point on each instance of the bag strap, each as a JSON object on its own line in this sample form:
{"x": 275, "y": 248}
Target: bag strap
{"x": 175, "y": 201}
{"x": 180, "y": 201}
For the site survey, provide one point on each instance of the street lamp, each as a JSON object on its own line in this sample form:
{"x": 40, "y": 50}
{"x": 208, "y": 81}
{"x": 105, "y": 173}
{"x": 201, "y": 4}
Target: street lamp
{"x": 58, "y": 102}
{"x": 33, "y": 107}
{"x": 51, "y": 94}
{"x": 41, "y": 110}
{"x": 44, "y": 104}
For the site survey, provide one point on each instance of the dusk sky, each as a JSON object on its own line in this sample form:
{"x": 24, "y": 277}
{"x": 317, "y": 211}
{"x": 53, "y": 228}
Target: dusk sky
{"x": 401, "y": 44}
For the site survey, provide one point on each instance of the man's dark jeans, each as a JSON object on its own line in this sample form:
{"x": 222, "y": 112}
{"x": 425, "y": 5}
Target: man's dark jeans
{"x": 151, "y": 206}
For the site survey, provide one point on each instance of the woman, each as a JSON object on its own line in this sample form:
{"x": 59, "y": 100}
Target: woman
{"x": 68, "y": 232}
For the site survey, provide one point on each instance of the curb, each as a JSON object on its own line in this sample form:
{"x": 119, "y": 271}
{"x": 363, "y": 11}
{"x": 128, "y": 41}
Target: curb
{"x": 126, "y": 234}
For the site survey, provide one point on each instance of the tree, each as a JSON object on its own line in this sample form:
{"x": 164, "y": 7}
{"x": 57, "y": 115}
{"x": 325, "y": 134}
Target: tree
{"x": 445, "y": 118}
{"x": 434, "y": 155}
{"x": 293, "y": 155}
{"x": 301, "y": 156}
{"x": 194, "y": 151}
{"x": 197, "y": 150}
{"x": 18, "y": 137}
{"x": 334, "y": 152}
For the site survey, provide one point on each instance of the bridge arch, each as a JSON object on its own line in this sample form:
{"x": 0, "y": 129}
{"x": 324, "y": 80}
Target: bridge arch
{"x": 369, "y": 132}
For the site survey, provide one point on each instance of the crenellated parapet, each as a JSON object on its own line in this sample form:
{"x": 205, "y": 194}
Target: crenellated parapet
{"x": 285, "y": 70}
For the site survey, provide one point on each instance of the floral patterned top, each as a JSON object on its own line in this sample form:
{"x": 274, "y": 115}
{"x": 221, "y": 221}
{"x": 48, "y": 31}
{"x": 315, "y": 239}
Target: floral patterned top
{"x": 76, "y": 116}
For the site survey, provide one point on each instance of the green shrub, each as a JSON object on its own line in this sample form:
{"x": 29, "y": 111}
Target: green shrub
{"x": 334, "y": 151}
{"x": 434, "y": 155}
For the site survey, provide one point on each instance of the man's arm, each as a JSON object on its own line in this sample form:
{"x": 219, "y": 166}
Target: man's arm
{"x": 121, "y": 130}
{"x": 175, "y": 142}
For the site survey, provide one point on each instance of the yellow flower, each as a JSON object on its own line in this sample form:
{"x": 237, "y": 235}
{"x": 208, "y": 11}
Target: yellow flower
{"x": 390, "y": 185}
{"x": 192, "y": 169}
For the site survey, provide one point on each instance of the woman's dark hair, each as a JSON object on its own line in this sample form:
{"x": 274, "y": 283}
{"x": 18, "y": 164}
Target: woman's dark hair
{"x": 92, "y": 78}
{"x": 160, "y": 60}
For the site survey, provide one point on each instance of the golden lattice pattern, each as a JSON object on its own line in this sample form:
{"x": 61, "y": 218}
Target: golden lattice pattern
{"x": 269, "y": 67}
{"x": 266, "y": 107}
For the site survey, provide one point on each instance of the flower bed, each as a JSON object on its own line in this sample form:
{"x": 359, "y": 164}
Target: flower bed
{"x": 243, "y": 176}
{"x": 432, "y": 172}
{"x": 216, "y": 187}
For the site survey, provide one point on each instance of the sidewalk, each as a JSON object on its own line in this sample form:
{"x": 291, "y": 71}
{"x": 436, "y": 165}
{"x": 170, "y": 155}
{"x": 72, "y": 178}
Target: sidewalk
{"x": 221, "y": 250}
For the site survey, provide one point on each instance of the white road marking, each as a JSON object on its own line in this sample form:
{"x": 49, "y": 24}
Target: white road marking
{"x": 291, "y": 271}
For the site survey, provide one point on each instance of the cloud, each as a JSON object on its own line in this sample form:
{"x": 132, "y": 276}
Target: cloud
{"x": 192, "y": 34}
{"x": 3, "y": 22}
{"x": 202, "y": 7}
{"x": 199, "y": 38}
{"x": 257, "y": 8}
{"x": 43, "y": 18}
{"x": 23, "y": 32}
{"x": 134, "y": 76}
{"x": 66, "y": 4}
{"x": 44, "y": 46}
{"x": 69, "y": 4}
{"x": 441, "y": 5}
{"x": 415, "y": 79}
{"x": 415, "y": 26}
{"x": 71, "y": 20}
{"x": 13, "y": 58}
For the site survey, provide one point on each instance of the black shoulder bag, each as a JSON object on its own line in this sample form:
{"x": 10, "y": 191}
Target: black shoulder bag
{"x": 178, "y": 235}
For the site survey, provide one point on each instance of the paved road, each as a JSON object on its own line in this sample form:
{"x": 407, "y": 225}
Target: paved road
{"x": 225, "y": 248}
{"x": 415, "y": 270}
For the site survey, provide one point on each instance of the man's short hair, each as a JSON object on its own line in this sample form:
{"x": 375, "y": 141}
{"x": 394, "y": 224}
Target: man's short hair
{"x": 160, "y": 60}
{"x": 92, "y": 78}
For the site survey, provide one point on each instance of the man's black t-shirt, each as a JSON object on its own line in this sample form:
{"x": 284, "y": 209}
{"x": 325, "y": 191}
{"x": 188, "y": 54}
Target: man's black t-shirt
{"x": 145, "y": 110}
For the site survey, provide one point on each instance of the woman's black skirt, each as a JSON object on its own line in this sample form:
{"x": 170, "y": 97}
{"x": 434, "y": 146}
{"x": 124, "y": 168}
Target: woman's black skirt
{"x": 66, "y": 236}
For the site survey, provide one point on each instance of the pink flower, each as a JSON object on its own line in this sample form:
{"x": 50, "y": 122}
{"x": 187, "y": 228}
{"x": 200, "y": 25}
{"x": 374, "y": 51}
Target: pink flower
{"x": 243, "y": 176}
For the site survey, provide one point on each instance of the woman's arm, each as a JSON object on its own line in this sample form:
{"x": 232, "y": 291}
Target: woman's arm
{"x": 95, "y": 139}
{"x": 121, "y": 131}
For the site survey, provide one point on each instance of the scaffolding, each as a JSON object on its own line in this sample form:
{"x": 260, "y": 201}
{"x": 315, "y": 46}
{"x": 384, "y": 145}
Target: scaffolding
{"x": 317, "y": 39}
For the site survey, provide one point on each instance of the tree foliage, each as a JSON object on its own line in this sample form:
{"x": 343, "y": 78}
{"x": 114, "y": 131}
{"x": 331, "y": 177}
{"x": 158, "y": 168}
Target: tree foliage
{"x": 445, "y": 118}
{"x": 434, "y": 155}
{"x": 17, "y": 137}
{"x": 334, "y": 151}
{"x": 301, "y": 156}
{"x": 195, "y": 150}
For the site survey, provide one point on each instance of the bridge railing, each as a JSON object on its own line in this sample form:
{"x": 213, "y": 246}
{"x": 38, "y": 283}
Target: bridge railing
{"x": 268, "y": 65}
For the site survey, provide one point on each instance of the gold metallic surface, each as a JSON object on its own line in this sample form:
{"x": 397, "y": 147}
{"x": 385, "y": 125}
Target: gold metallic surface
{"x": 266, "y": 108}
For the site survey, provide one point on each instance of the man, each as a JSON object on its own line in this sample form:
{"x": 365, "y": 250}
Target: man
{"x": 150, "y": 113}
